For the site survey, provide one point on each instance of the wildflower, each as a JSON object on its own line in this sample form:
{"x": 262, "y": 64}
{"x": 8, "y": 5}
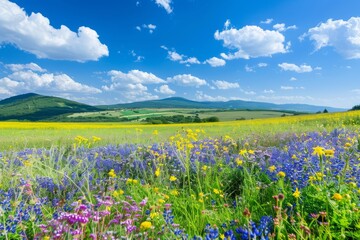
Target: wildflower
{"x": 172, "y": 178}
{"x": 96, "y": 139}
{"x": 297, "y": 193}
{"x": 251, "y": 152}
{"x": 272, "y": 168}
{"x": 243, "y": 152}
{"x": 337, "y": 196}
{"x": 161, "y": 201}
{"x": 216, "y": 191}
{"x": 204, "y": 168}
{"x": 154, "y": 215}
{"x": 239, "y": 162}
{"x": 174, "y": 192}
{"x": 118, "y": 193}
{"x": 145, "y": 225}
{"x": 27, "y": 163}
{"x": 329, "y": 152}
{"x": 155, "y": 132}
{"x": 347, "y": 145}
{"x": 112, "y": 173}
{"x": 318, "y": 151}
{"x": 281, "y": 174}
{"x": 294, "y": 157}
{"x": 157, "y": 172}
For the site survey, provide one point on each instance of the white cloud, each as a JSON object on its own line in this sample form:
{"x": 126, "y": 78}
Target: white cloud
{"x": 357, "y": 91}
{"x": 249, "y": 69}
{"x": 31, "y": 78}
{"x": 134, "y": 77}
{"x": 216, "y": 62}
{"x": 262, "y": 65}
{"x": 131, "y": 86}
{"x": 227, "y": 24}
{"x": 187, "y": 80}
{"x": 286, "y": 88}
{"x": 137, "y": 57}
{"x": 343, "y": 36}
{"x": 267, "y": 21}
{"x": 295, "y": 68}
{"x": 183, "y": 59}
{"x": 165, "y": 89}
{"x": 270, "y": 91}
{"x": 249, "y": 92}
{"x": 166, "y": 4}
{"x": 29, "y": 66}
{"x": 150, "y": 27}
{"x": 225, "y": 85}
{"x": 34, "y": 34}
{"x": 251, "y": 42}
{"x": 281, "y": 27}
{"x": 293, "y": 79}
{"x": 204, "y": 97}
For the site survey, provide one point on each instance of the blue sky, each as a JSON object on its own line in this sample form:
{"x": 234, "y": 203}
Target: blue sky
{"x": 107, "y": 52}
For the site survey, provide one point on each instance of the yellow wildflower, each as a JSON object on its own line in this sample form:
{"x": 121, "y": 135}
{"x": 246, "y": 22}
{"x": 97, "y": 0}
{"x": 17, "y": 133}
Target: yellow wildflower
{"x": 251, "y": 152}
{"x": 319, "y": 151}
{"x": 239, "y": 162}
{"x": 281, "y": 174}
{"x": 172, "y": 178}
{"x": 157, "y": 172}
{"x": 155, "y": 132}
{"x": 161, "y": 201}
{"x": 337, "y": 196}
{"x": 174, "y": 192}
{"x": 297, "y": 193}
{"x": 112, "y": 173}
{"x": 204, "y": 168}
{"x": 272, "y": 168}
{"x": 294, "y": 157}
{"x": 27, "y": 163}
{"x": 216, "y": 191}
{"x": 154, "y": 215}
{"x": 243, "y": 152}
{"x": 329, "y": 152}
{"x": 145, "y": 225}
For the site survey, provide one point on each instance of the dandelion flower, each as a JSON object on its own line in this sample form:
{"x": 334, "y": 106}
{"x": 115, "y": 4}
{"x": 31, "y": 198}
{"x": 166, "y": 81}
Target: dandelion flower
{"x": 337, "y": 196}
{"x": 145, "y": 225}
{"x": 281, "y": 174}
{"x": 297, "y": 193}
{"x": 172, "y": 178}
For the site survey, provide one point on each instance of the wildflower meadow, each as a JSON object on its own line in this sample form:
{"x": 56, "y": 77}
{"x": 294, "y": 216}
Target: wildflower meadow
{"x": 189, "y": 186}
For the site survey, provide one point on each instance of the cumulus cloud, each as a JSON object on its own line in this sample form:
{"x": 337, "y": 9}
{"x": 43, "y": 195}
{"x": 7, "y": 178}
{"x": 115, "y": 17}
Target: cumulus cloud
{"x": 267, "y": 21}
{"x": 261, "y": 65}
{"x": 183, "y": 59}
{"x": 32, "y": 78}
{"x": 132, "y": 85}
{"x": 293, "y": 79}
{"x": 270, "y": 91}
{"x": 150, "y": 27}
{"x": 295, "y": 68}
{"x": 137, "y": 57}
{"x": 29, "y": 66}
{"x": 251, "y": 42}
{"x": 187, "y": 80}
{"x": 165, "y": 89}
{"x": 342, "y": 35}
{"x": 216, "y": 62}
{"x": 204, "y": 97}
{"x": 33, "y": 33}
{"x": 225, "y": 85}
{"x": 166, "y": 4}
{"x": 281, "y": 27}
{"x": 134, "y": 77}
{"x": 287, "y": 88}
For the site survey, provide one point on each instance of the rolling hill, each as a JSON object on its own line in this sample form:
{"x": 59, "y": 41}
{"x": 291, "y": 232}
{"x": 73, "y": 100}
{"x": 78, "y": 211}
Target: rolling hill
{"x": 35, "y": 107}
{"x": 178, "y": 102}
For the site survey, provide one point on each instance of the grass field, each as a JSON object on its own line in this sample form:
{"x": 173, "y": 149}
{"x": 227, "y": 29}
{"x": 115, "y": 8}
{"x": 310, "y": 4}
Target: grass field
{"x": 223, "y": 115}
{"x": 292, "y": 178}
{"x": 18, "y": 135}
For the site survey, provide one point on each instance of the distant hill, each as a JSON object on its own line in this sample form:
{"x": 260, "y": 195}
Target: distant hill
{"x": 178, "y": 102}
{"x": 35, "y": 107}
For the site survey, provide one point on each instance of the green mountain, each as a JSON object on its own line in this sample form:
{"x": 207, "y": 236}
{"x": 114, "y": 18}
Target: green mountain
{"x": 178, "y": 102}
{"x": 35, "y": 107}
